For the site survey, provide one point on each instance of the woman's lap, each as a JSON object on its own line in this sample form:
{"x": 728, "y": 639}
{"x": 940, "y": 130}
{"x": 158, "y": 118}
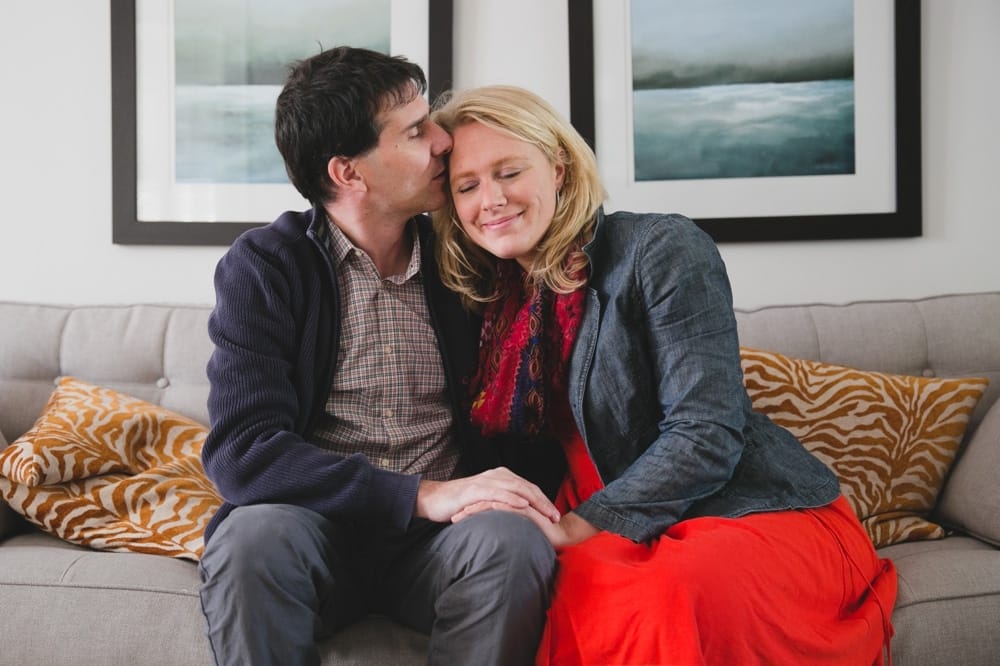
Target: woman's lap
{"x": 782, "y": 587}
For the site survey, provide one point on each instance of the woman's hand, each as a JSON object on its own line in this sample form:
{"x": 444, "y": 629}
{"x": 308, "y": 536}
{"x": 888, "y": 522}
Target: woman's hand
{"x": 570, "y": 529}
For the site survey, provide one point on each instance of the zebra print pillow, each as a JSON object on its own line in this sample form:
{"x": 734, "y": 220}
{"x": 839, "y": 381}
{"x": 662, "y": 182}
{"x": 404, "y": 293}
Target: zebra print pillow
{"x": 109, "y": 471}
{"x": 890, "y": 439}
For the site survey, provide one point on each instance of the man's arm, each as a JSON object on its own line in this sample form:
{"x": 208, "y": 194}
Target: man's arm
{"x": 261, "y": 396}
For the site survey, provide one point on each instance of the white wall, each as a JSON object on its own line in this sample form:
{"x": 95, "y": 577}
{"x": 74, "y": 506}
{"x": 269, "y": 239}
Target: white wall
{"x": 55, "y": 164}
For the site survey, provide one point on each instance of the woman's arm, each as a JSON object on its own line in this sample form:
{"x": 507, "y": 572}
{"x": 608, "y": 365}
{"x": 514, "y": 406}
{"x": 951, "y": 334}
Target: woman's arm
{"x": 689, "y": 335}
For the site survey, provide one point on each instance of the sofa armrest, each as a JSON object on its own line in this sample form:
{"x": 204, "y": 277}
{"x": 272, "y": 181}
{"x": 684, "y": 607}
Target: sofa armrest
{"x": 8, "y": 519}
{"x": 970, "y": 500}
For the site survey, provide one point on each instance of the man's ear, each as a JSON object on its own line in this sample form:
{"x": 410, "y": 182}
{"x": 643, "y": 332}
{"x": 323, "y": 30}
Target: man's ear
{"x": 344, "y": 175}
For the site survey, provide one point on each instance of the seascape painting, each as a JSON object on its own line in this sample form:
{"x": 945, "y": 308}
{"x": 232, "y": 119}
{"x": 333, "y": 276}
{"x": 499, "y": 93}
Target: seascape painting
{"x": 230, "y": 63}
{"x": 742, "y": 88}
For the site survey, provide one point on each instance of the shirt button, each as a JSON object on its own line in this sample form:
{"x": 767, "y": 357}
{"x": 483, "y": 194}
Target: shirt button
{"x": 384, "y": 462}
{"x": 388, "y": 349}
{"x": 387, "y": 413}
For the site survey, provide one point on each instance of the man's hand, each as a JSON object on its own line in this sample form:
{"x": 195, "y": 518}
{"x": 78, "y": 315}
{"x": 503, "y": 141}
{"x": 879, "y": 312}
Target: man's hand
{"x": 442, "y": 501}
{"x": 569, "y": 530}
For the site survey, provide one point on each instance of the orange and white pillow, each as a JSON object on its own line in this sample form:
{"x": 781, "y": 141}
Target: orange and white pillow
{"x": 890, "y": 439}
{"x": 112, "y": 472}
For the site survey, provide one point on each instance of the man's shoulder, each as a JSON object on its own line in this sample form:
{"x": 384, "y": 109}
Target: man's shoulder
{"x": 286, "y": 240}
{"x": 289, "y": 228}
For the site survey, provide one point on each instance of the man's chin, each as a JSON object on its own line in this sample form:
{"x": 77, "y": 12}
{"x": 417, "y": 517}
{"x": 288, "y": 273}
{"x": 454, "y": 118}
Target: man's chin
{"x": 436, "y": 203}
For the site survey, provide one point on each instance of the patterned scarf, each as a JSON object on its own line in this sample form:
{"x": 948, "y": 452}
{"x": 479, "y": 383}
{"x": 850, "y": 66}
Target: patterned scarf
{"x": 524, "y": 347}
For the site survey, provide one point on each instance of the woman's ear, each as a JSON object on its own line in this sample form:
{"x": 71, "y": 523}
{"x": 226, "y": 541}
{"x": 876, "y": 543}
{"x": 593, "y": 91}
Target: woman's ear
{"x": 343, "y": 173}
{"x": 560, "y": 175}
{"x": 561, "y": 169}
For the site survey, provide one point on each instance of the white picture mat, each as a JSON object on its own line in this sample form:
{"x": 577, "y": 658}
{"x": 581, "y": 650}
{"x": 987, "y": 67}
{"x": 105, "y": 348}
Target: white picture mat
{"x": 871, "y": 189}
{"x": 159, "y": 197}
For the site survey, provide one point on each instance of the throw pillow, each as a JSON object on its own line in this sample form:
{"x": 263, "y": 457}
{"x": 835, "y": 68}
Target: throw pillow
{"x": 890, "y": 439}
{"x": 971, "y": 498}
{"x": 112, "y": 472}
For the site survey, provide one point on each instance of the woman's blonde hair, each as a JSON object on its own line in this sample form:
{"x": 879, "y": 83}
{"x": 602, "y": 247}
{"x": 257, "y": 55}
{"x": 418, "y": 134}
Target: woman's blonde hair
{"x": 470, "y": 270}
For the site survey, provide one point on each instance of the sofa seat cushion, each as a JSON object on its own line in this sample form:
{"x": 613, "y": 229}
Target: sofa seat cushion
{"x": 133, "y": 608}
{"x": 948, "y": 601}
{"x": 112, "y": 608}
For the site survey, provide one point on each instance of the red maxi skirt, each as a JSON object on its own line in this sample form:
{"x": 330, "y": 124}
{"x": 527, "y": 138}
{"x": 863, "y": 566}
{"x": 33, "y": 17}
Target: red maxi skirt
{"x": 787, "y": 587}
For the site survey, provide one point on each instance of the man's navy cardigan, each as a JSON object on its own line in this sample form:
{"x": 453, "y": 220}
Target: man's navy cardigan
{"x": 276, "y": 328}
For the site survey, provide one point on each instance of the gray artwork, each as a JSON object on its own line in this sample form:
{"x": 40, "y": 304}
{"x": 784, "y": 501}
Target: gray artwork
{"x": 231, "y": 58}
{"x": 742, "y": 88}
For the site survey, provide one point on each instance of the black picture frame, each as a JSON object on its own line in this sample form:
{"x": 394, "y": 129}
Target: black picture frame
{"x": 905, "y": 221}
{"x": 127, "y": 229}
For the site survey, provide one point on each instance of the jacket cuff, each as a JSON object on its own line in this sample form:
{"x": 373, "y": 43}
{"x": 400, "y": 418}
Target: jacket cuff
{"x": 393, "y": 497}
{"x": 609, "y": 520}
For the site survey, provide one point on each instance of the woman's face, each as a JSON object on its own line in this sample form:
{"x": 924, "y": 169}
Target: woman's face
{"x": 504, "y": 191}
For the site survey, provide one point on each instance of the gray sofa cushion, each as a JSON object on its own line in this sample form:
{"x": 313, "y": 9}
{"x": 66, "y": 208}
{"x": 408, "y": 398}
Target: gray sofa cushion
{"x": 131, "y": 608}
{"x": 971, "y": 497}
{"x": 948, "y": 601}
{"x": 107, "y": 608}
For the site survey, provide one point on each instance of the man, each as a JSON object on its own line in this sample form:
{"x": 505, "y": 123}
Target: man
{"x": 338, "y": 412}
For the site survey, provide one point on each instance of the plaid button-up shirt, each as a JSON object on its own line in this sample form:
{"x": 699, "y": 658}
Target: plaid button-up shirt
{"x": 389, "y": 396}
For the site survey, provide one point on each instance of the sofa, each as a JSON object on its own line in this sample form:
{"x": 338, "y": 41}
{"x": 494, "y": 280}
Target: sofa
{"x": 66, "y": 604}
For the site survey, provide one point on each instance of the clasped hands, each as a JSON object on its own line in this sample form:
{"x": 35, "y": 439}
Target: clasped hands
{"x": 501, "y": 490}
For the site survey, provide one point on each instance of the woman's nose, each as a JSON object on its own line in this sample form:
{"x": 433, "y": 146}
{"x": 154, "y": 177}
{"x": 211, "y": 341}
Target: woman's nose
{"x": 493, "y": 196}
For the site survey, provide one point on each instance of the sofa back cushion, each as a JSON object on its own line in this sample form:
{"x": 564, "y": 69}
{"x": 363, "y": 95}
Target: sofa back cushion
{"x": 157, "y": 353}
{"x": 940, "y": 336}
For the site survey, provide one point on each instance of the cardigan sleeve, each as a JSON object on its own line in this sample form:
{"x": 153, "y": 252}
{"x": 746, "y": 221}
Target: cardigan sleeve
{"x": 259, "y": 403}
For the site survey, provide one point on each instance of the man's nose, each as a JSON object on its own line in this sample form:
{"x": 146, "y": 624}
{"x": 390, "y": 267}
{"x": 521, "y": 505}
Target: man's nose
{"x": 442, "y": 142}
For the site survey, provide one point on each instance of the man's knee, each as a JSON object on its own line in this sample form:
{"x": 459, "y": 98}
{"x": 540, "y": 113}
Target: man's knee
{"x": 253, "y": 540}
{"x": 513, "y": 541}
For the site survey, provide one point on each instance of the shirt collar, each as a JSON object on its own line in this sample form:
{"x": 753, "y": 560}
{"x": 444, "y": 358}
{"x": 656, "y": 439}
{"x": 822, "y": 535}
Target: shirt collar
{"x": 341, "y": 248}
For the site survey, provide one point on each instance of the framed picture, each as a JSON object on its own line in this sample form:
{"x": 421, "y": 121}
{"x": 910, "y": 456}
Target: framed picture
{"x": 193, "y": 88}
{"x": 761, "y": 120}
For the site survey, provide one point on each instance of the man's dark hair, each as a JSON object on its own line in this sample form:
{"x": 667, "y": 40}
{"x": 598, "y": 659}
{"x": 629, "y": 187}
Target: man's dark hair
{"x": 329, "y": 107}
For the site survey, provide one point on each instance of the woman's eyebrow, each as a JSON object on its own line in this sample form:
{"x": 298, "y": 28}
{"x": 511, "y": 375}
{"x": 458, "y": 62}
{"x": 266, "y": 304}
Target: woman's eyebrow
{"x": 493, "y": 165}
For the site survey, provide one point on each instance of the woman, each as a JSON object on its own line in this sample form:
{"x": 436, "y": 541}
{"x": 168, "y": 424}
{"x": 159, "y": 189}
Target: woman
{"x": 694, "y": 530}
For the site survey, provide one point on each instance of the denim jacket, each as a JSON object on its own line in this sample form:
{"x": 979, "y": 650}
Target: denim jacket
{"x": 656, "y": 388}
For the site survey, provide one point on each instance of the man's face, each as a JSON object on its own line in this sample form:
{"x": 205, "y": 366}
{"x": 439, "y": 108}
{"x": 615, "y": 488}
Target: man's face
{"x": 405, "y": 172}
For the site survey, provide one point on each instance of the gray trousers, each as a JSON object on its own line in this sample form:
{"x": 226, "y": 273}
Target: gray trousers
{"x": 277, "y": 579}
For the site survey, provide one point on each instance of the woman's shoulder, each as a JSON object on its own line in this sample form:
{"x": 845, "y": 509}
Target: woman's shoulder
{"x": 642, "y": 230}
{"x": 629, "y": 223}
